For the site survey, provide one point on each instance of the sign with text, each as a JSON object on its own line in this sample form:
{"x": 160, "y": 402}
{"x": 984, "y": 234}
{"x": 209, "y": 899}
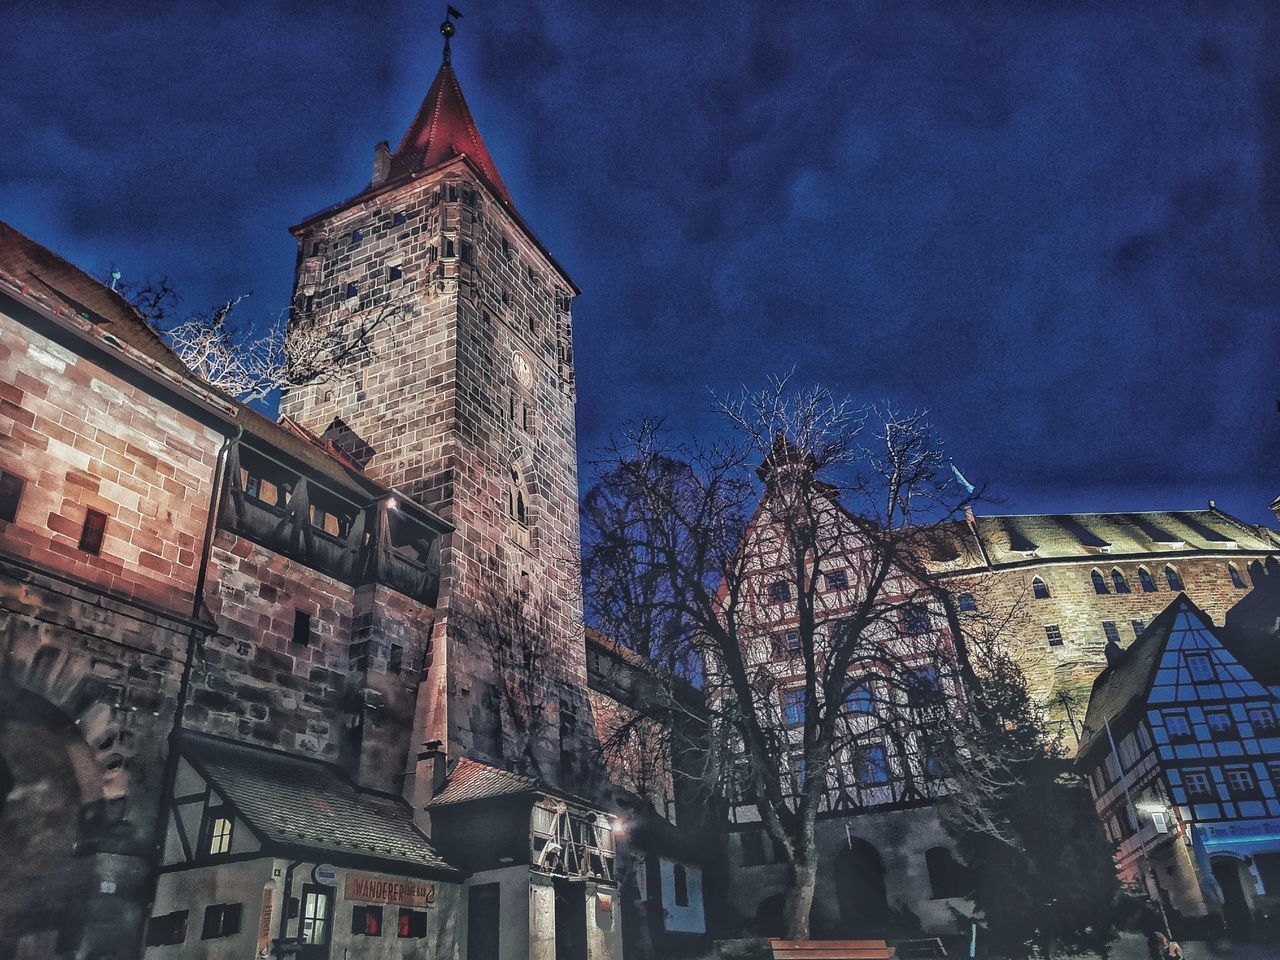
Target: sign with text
{"x": 400, "y": 893}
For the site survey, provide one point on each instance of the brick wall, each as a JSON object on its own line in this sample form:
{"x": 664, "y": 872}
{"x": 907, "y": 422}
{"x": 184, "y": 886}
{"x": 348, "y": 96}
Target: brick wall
{"x": 83, "y": 438}
{"x": 435, "y": 404}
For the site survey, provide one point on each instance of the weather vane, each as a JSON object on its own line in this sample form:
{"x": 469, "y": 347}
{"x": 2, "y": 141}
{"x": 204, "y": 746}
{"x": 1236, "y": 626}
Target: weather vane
{"x": 447, "y": 29}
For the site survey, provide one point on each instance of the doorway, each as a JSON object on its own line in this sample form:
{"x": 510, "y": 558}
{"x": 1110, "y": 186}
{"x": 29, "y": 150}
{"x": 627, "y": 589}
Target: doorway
{"x": 1236, "y": 915}
{"x": 315, "y": 923}
{"x": 860, "y": 890}
{"x": 571, "y": 920}
{"x": 483, "y": 921}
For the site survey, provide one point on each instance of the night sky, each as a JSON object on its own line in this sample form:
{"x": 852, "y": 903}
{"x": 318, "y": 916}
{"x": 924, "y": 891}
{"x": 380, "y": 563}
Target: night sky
{"x": 1055, "y": 225}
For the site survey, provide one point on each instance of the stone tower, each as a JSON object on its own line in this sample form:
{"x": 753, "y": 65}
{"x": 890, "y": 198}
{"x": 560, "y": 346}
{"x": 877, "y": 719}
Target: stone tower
{"x": 460, "y": 395}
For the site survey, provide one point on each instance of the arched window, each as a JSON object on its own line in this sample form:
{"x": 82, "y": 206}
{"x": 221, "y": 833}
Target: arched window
{"x": 1119, "y": 582}
{"x": 1172, "y": 578}
{"x": 947, "y": 876}
{"x": 1237, "y": 581}
{"x": 1144, "y": 577}
{"x": 518, "y": 506}
{"x": 1099, "y": 582}
{"x": 1039, "y": 589}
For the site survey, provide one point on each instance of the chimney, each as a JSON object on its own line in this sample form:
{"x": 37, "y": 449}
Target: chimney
{"x": 431, "y": 764}
{"x": 1113, "y": 652}
{"x": 381, "y": 163}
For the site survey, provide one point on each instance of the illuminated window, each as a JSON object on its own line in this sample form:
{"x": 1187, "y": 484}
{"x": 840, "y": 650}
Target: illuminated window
{"x": 1172, "y": 578}
{"x": 95, "y": 525}
{"x": 1119, "y": 582}
{"x": 1039, "y": 589}
{"x": 315, "y": 926}
{"x": 413, "y": 923}
{"x": 218, "y": 832}
{"x": 1144, "y": 577}
{"x": 1099, "y": 583}
{"x": 366, "y": 921}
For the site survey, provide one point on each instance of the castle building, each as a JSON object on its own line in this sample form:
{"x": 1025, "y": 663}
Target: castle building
{"x": 316, "y": 686}
{"x": 1181, "y": 745}
{"x": 1058, "y": 588}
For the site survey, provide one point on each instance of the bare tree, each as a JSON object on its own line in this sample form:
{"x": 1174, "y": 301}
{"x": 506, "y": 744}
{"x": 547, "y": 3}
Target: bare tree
{"x": 251, "y": 361}
{"x": 811, "y": 623}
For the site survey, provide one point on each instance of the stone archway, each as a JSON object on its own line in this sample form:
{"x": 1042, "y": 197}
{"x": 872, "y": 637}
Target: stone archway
{"x": 860, "y": 890}
{"x": 47, "y": 881}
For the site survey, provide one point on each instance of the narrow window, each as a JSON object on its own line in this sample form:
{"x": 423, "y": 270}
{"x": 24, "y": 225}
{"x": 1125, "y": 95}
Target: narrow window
{"x": 533, "y": 324}
{"x": 531, "y": 274}
{"x": 1099, "y": 583}
{"x": 1054, "y": 634}
{"x": 680, "y": 880}
{"x": 1145, "y": 578}
{"x": 466, "y": 252}
{"x": 448, "y": 248}
{"x": 506, "y": 252}
{"x": 314, "y": 930}
{"x": 1199, "y": 667}
{"x": 220, "y": 920}
{"x": 779, "y": 591}
{"x": 836, "y": 579}
{"x": 309, "y": 303}
{"x": 413, "y": 924}
{"x": 218, "y": 827}
{"x": 453, "y": 192}
{"x": 11, "y": 487}
{"x": 301, "y": 628}
{"x": 353, "y": 290}
{"x": 1172, "y": 578}
{"x": 1119, "y": 582}
{"x": 506, "y": 297}
{"x": 1039, "y": 589}
{"x": 793, "y": 707}
{"x": 1237, "y": 581}
{"x": 395, "y": 661}
{"x": 394, "y": 273}
{"x": 399, "y": 219}
{"x": 432, "y": 253}
{"x": 526, "y": 418}
{"x": 168, "y": 929}
{"x": 967, "y": 603}
{"x": 366, "y": 921}
{"x": 356, "y": 238}
{"x": 1138, "y": 626}
{"x": 95, "y": 525}
{"x": 315, "y": 248}
{"x": 1112, "y": 633}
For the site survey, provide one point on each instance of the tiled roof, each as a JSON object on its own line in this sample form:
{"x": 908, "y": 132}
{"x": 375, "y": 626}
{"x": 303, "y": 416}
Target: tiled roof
{"x": 308, "y": 803}
{"x": 71, "y": 289}
{"x": 1030, "y": 538}
{"x": 472, "y": 780}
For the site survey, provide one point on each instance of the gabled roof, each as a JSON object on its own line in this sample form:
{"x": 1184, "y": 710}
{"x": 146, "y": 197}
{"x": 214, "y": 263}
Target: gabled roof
{"x": 294, "y": 801}
{"x": 71, "y": 290}
{"x": 472, "y": 780}
{"x": 1122, "y": 687}
{"x": 442, "y": 131}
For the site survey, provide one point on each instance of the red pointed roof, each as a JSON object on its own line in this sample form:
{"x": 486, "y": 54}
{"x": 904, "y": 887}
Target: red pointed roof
{"x": 442, "y": 130}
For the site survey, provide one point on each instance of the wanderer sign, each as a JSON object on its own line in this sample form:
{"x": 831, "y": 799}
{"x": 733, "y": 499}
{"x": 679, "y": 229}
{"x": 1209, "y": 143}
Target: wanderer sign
{"x": 400, "y": 893}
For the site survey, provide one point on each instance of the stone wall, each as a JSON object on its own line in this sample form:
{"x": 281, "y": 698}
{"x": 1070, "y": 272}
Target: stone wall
{"x": 1066, "y": 672}
{"x": 466, "y": 403}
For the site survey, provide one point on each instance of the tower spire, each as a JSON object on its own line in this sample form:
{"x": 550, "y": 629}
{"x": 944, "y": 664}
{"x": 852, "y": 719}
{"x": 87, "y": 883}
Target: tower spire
{"x": 448, "y": 29}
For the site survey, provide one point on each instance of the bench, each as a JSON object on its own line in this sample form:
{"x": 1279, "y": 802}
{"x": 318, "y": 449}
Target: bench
{"x": 831, "y": 950}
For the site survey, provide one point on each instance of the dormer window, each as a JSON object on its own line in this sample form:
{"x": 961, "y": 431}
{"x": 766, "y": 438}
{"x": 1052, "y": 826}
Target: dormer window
{"x": 218, "y": 827}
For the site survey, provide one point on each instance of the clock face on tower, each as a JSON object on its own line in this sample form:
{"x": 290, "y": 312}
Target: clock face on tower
{"x": 523, "y": 372}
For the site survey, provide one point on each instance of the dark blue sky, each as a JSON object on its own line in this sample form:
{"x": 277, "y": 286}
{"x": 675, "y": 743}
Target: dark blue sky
{"x": 1056, "y": 225}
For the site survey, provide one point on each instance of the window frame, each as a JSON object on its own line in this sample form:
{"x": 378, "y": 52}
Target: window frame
{"x": 92, "y": 532}
{"x": 1053, "y": 633}
{"x": 1099, "y": 583}
{"x": 221, "y": 920}
{"x": 13, "y": 487}
{"x": 1147, "y": 581}
{"x": 1040, "y": 589}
